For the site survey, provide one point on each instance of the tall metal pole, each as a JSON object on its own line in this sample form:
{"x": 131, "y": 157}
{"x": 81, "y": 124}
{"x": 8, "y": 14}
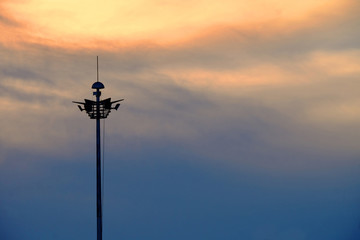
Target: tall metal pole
{"x": 98, "y": 169}
{"x": 98, "y": 110}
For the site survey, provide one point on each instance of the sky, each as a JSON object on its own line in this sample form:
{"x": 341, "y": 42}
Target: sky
{"x": 239, "y": 122}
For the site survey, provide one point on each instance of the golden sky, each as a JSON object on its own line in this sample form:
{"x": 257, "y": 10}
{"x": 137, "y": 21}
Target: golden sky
{"x": 86, "y": 23}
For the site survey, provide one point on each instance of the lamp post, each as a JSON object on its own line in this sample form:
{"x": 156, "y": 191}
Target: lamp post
{"x": 98, "y": 109}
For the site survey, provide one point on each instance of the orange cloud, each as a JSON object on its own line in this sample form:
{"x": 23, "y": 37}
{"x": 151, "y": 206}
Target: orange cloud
{"x": 34, "y": 88}
{"x": 336, "y": 63}
{"x": 91, "y": 23}
{"x": 232, "y": 80}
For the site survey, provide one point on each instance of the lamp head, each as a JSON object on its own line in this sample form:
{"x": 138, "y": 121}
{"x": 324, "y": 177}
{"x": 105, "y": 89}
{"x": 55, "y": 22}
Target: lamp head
{"x": 81, "y": 109}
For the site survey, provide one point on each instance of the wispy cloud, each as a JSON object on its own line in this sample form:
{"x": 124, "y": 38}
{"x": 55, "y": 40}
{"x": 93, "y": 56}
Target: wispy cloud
{"x": 247, "y": 82}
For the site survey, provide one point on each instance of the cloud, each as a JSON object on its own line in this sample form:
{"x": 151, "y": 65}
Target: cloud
{"x": 122, "y": 24}
{"x": 8, "y": 22}
{"x": 239, "y": 88}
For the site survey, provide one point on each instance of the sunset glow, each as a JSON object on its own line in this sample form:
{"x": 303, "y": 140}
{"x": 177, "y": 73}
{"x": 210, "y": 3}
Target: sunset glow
{"x": 86, "y": 22}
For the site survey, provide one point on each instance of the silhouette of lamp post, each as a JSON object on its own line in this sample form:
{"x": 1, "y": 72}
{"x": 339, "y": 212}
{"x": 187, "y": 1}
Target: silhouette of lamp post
{"x": 98, "y": 109}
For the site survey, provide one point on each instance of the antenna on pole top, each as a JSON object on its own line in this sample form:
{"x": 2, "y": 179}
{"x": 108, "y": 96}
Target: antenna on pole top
{"x": 97, "y": 68}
